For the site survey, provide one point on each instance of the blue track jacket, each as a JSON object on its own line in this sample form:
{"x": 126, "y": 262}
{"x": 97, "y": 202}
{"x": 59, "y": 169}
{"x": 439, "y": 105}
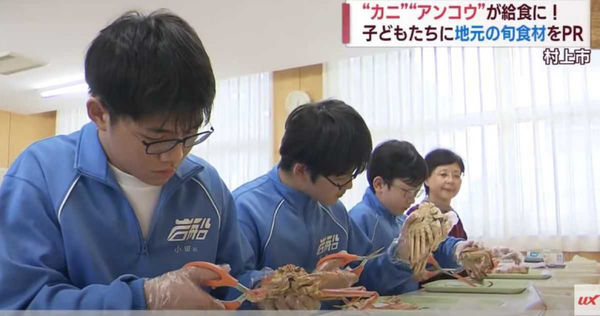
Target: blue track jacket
{"x": 381, "y": 227}
{"x": 284, "y": 225}
{"x": 69, "y": 238}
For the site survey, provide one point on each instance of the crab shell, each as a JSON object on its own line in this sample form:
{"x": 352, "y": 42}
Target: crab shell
{"x": 424, "y": 236}
{"x": 291, "y": 280}
{"x": 477, "y": 259}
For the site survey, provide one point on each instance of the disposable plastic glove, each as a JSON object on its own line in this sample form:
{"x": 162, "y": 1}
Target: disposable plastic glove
{"x": 408, "y": 249}
{"x": 466, "y": 244}
{"x": 180, "y": 289}
{"x": 505, "y": 253}
{"x": 451, "y": 219}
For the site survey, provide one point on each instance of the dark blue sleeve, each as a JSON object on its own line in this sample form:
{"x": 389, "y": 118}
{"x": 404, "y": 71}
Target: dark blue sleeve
{"x": 234, "y": 248}
{"x": 249, "y": 232}
{"x": 445, "y": 252}
{"x": 252, "y": 274}
{"x": 382, "y": 274}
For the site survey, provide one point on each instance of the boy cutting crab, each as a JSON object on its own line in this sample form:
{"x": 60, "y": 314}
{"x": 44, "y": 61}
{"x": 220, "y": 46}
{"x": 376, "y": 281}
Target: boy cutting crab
{"x": 293, "y": 214}
{"x": 106, "y": 217}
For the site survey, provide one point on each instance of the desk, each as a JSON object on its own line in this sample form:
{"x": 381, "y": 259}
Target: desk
{"x": 557, "y": 292}
{"x": 528, "y": 300}
{"x": 554, "y": 295}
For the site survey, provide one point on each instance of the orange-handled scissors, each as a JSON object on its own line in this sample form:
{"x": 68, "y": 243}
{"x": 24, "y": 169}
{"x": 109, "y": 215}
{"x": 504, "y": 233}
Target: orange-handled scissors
{"x": 451, "y": 272}
{"x": 225, "y": 279}
{"x": 345, "y": 258}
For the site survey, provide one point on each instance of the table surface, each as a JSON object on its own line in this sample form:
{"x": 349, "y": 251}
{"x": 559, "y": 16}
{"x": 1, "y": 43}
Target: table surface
{"x": 554, "y": 294}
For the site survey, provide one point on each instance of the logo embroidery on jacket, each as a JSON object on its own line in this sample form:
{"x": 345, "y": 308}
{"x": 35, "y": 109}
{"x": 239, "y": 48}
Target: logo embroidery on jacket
{"x": 328, "y": 243}
{"x": 190, "y": 229}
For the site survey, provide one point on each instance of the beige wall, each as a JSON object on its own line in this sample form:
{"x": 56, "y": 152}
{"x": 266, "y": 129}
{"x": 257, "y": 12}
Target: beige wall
{"x": 19, "y": 131}
{"x": 587, "y": 255}
{"x": 4, "y": 134}
{"x": 308, "y": 79}
{"x": 595, "y": 23}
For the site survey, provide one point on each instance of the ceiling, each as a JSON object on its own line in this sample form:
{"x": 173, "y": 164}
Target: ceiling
{"x": 241, "y": 37}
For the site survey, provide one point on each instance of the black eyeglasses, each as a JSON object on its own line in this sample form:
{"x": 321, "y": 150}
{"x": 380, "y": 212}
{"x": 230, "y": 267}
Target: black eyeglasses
{"x": 163, "y": 146}
{"x": 414, "y": 193}
{"x": 341, "y": 186}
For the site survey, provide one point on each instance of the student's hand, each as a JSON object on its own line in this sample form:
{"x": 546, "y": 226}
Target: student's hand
{"x": 505, "y": 253}
{"x": 450, "y": 219}
{"x": 408, "y": 248}
{"x": 303, "y": 302}
{"x": 477, "y": 271}
{"x": 332, "y": 277}
{"x": 464, "y": 244}
{"x": 180, "y": 289}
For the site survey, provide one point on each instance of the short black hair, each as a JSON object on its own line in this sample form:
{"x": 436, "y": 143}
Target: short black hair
{"x": 328, "y": 137}
{"x": 440, "y": 157}
{"x": 396, "y": 159}
{"x": 143, "y": 66}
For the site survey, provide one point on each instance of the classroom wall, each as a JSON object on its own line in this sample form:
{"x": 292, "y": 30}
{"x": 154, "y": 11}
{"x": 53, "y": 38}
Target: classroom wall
{"x": 4, "y": 138}
{"x": 308, "y": 79}
{"x": 568, "y": 255}
{"x": 18, "y": 131}
{"x": 595, "y": 23}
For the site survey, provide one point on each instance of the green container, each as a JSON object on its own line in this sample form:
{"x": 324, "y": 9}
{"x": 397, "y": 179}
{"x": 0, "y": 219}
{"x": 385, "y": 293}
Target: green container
{"x": 532, "y": 274}
{"x": 489, "y": 286}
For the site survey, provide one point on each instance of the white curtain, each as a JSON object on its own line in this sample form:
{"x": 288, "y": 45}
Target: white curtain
{"x": 2, "y": 173}
{"x": 241, "y": 146}
{"x": 70, "y": 119}
{"x": 529, "y": 134}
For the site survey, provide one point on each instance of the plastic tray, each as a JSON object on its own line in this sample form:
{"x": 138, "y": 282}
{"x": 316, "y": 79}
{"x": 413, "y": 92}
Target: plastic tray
{"x": 493, "y": 286}
{"x": 531, "y": 275}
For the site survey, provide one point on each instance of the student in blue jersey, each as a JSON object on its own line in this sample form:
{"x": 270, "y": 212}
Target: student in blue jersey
{"x": 105, "y": 218}
{"x": 292, "y": 215}
{"x": 395, "y": 173}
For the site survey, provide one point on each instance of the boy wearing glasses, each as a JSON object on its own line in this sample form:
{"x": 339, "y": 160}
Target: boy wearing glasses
{"x": 105, "y": 218}
{"x": 396, "y": 173}
{"x": 292, "y": 215}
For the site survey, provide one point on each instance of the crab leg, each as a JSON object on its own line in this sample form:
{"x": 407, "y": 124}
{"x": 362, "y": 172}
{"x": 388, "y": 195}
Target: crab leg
{"x": 351, "y": 292}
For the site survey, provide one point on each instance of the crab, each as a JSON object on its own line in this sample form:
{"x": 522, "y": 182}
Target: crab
{"x": 478, "y": 262}
{"x": 291, "y": 280}
{"x": 424, "y": 236}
